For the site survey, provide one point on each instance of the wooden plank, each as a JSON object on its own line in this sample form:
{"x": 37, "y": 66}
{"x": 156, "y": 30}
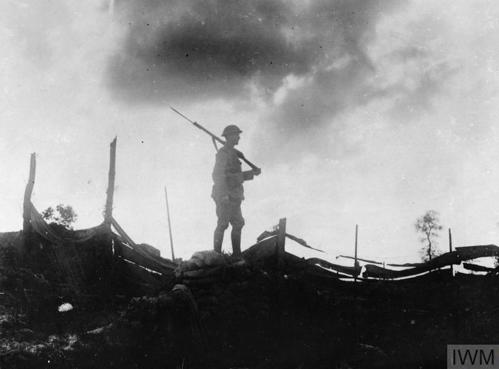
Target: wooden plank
{"x": 360, "y": 259}
{"x": 301, "y": 242}
{"x": 143, "y": 249}
{"x": 262, "y": 252}
{"x": 122, "y": 232}
{"x": 142, "y": 260}
{"x": 454, "y": 257}
{"x": 352, "y": 271}
{"x": 477, "y": 268}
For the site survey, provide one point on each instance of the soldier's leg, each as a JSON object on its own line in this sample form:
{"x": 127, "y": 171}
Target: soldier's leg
{"x": 235, "y": 236}
{"x": 222, "y": 224}
{"x": 237, "y": 222}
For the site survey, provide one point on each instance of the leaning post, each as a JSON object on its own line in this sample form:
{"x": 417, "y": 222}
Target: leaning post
{"x": 169, "y": 225}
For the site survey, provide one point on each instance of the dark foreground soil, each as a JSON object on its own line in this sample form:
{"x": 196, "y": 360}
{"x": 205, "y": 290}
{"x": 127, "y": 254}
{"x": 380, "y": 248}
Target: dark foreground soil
{"x": 241, "y": 316}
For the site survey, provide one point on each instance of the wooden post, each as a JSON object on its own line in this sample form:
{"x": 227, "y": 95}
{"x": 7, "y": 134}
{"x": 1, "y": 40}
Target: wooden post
{"x": 169, "y": 224}
{"x": 108, "y": 212}
{"x": 450, "y": 250}
{"x": 356, "y": 262}
{"x": 27, "y": 228}
{"x": 27, "y": 194}
{"x": 281, "y": 250}
{"x": 281, "y": 241}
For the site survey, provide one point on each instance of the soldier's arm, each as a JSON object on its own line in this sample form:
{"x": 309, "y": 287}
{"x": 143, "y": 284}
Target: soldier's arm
{"x": 248, "y": 175}
{"x": 240, "y": 177}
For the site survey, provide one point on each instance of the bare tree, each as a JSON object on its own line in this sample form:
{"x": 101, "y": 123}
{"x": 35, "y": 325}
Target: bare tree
{"x": 429, "y": 226}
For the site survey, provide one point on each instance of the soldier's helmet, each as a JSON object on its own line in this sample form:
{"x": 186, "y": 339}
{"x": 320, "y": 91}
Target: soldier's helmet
{"x": 231, "y": 130}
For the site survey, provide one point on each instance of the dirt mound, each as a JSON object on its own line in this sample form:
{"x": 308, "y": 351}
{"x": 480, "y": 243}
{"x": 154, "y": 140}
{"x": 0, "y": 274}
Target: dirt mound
{"x": 220, "y": 312}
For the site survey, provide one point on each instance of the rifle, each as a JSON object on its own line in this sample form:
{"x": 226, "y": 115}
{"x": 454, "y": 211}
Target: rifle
{"x": 214, "y": 137}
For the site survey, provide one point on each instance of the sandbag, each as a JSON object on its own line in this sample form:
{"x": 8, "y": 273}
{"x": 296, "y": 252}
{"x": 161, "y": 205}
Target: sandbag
{"x": 203, "y": 260}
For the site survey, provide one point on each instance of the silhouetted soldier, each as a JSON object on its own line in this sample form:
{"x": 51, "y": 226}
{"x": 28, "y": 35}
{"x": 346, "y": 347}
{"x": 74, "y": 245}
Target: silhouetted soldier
{"x": 228, "y": 191}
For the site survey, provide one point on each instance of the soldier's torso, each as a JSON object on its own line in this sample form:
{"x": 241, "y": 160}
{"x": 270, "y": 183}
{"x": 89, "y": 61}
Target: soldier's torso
{"x": 232, "y": 167}
{"x": 233, "y": 162}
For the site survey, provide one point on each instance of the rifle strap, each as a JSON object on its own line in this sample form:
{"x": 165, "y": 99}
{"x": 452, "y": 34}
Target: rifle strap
{"x": 214, "y": 143}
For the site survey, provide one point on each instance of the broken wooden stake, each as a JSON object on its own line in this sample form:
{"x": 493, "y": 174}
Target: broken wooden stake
{"x": 356, "y": 262}
{"x": 27, "y": 227}
{"x": 450, "y": 250}
{"x": 108, "y": 212}
{"x": 27, "y": 195}
{"x": 281, "y": 241}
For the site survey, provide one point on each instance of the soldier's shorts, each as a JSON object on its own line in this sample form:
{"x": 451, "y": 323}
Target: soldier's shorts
{"x": 229, "y": 212}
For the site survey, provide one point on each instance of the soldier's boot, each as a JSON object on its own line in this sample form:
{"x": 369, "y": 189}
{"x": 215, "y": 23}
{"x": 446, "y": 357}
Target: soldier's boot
{"x": 236, "y": 241}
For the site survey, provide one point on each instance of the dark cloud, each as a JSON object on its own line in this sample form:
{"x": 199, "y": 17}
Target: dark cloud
{"x": 193, "y": 51}
{"x": 202, "y": 49}
{"x": 206, "y": 49}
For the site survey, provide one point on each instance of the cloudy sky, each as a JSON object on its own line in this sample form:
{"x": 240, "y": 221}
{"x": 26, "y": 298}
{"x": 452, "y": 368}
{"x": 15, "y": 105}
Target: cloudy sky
{"x": 358, "y": 112}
